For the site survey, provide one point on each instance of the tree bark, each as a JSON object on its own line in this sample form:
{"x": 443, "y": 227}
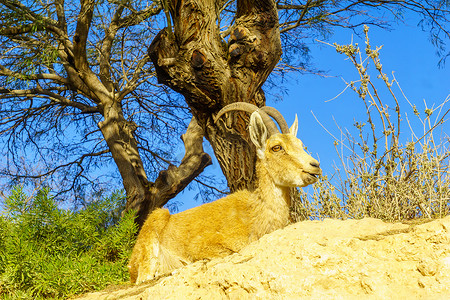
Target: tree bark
{"x": 144, "y": 196}
{"x": 195, "y": 61}
{"x": 118, "y": 133}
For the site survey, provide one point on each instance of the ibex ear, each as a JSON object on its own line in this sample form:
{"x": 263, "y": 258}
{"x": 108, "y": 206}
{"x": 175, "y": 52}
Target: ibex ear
{"x": 294, "y": 128}
{"x": 258, "y": 132}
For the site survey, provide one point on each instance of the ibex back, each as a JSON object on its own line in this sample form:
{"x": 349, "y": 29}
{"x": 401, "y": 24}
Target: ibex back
{"x": 225, "y": 226}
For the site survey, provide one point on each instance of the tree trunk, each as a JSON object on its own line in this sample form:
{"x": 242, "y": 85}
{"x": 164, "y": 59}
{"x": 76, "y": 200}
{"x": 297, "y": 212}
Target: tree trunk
{"x": 144, "y": 196}
{"x": 195, "y": 61}
{"x": 118, "y": 133}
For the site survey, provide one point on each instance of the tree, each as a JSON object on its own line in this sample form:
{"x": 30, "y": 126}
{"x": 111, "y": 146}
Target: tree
{"x": 77, "y": 86}
{"x": 82, "y": 70}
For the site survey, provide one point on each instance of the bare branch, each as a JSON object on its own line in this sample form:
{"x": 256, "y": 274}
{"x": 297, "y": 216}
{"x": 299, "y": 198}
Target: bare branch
{"x": 54, "y": 77}
{"x": 77, "y": 162}
{"x": 137, "y": 17}
{"x": 36, "y": 92}
{"x": 173, "y": 180}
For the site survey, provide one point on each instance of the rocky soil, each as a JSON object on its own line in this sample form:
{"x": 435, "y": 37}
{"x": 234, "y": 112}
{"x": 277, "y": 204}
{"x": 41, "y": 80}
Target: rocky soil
{"x": 330, "y": 259}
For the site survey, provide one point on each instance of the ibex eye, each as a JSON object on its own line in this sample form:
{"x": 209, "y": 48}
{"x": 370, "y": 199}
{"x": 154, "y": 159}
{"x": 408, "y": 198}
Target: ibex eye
{"x": 277, "y": 148}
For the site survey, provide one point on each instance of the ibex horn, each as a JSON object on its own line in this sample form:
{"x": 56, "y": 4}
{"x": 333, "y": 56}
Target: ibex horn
{"x": 278, "y": 117}
{"x": 266, "y": 112}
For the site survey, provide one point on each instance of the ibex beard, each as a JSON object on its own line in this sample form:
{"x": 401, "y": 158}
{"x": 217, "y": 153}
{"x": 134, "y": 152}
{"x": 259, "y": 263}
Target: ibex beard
{"x": 220, "y": 228}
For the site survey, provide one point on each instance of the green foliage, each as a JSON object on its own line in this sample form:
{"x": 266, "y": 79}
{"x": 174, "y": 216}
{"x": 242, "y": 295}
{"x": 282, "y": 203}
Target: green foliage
{"x": 50, "y": 252}
{"x": 381, "y": 173}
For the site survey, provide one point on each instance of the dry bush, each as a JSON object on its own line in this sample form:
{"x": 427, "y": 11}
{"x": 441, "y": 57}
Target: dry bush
{"x": 381, "y": 173}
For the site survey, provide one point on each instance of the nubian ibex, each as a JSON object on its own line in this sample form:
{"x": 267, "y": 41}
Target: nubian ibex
{"x": 225, "y": 226}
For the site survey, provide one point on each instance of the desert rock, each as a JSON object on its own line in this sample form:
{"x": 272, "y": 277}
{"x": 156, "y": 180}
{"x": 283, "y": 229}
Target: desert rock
{"x": 330, "y": 259}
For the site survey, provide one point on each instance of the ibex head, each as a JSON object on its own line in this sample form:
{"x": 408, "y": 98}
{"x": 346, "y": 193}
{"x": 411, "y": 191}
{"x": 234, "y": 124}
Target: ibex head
{"x": 281, "y": 154}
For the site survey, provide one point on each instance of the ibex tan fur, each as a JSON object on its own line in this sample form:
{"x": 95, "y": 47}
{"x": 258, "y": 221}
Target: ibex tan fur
{"x": 225, "y": 226}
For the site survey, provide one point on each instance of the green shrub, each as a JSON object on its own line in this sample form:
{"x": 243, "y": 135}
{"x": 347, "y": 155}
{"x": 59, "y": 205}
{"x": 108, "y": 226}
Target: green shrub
{"x": 50, "y": 252}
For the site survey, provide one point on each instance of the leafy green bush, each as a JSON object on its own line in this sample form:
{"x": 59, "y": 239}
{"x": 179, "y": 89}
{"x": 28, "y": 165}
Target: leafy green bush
{"x": 50, "y": 252}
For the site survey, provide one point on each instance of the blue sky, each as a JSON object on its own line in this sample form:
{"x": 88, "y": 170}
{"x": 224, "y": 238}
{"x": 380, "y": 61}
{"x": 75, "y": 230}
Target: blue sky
{"x": 406, "y": 50}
